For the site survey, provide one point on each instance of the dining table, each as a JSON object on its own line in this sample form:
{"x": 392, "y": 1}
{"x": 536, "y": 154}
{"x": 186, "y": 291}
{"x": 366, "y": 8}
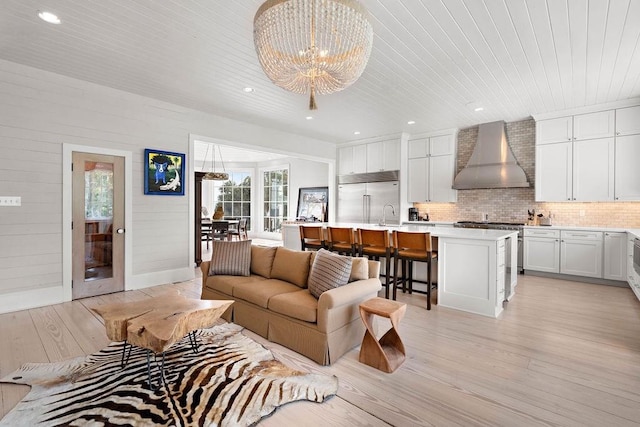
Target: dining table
{"x": 218, "y": 227}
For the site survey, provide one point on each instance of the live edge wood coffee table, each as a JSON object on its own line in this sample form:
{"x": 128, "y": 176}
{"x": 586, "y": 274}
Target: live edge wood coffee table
{"x": 387, "y": 353}
{"x": 156, "y": 324}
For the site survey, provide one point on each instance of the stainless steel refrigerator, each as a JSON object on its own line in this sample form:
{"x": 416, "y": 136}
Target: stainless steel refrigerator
{"x": 364, "y": 202}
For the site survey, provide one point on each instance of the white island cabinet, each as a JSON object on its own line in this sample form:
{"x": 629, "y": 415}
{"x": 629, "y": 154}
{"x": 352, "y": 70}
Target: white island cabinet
{"x": 477, "y": 269}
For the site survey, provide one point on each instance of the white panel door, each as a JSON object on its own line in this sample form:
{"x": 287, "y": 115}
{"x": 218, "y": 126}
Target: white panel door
{"x": 418, "y": 148}
{"x": 593, "y": 170}
{"x": 542, "y": 254}
{"x": 345, "y": 160}
{"x": 627, "y": 167}
{"x": 441, "y": 145}
{"x": 391, "y": 155}
{"x": 441, "y": 174}
{"x": 418, "y": 174}
{"x": 554, "y": 172}
{"x": 581, "y": 257}
{"x": 554, "y": 130}
{"x": 594, "y": 125}
{"x": 615, "y": 256}
{"x": 628, "y": 121}
{"x": 375, "y": 157}
{"x": 359, "y": 158}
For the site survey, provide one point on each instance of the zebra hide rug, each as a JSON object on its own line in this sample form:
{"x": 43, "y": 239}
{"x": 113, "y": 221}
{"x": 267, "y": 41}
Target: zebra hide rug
{"x": 231, "y": 381}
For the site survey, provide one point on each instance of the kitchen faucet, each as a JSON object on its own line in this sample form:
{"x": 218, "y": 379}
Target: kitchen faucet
{"x": 383, "y": 221}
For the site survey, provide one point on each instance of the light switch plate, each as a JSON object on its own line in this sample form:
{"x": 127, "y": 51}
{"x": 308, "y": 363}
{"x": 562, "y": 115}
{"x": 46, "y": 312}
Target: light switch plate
{"x": 10, "y": 201}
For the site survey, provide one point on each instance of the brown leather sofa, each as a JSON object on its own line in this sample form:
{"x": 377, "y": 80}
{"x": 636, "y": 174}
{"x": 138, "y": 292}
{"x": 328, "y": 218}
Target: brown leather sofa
{"x": 275, "y": 303}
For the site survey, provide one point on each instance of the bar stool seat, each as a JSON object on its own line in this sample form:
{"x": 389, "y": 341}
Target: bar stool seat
{"x": 375, "y": 244}
{"x": 410, "y": 247}
{"x": 312, "y": 238}
{"x": 341, "y": 240}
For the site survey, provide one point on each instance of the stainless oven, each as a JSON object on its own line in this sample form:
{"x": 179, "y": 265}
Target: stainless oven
{"x": 636, "y": 256}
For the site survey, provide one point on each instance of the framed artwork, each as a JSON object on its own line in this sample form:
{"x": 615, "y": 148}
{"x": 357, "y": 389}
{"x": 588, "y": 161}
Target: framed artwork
{"x": 163, "y": 173}
{"x": 313, "y": 204}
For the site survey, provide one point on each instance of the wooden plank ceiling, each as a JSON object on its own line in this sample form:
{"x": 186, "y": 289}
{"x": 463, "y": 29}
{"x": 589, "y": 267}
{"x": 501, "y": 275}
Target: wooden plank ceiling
{"x": 432, "y": 60}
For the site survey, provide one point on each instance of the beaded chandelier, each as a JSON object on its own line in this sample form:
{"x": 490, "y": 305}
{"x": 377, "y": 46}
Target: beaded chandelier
{"x": 312, "y": 46}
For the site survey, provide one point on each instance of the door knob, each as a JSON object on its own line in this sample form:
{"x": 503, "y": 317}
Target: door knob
{"x": 120, "y": 231}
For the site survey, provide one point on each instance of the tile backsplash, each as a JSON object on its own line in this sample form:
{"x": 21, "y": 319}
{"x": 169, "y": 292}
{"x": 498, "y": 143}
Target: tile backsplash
{"x": 511, "y": 204}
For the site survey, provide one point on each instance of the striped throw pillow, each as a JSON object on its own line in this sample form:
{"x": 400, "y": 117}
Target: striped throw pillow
{"x": 230, "y": 258}
{"x": 329, "y": 271}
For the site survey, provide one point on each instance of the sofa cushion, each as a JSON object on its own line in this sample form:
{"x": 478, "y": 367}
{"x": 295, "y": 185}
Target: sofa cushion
{"x": 359, "y": 269}
{"x": 230, "y": 258}
{"x": 262, "y": 260}
{"x": 260, "y": 293}
{"x": 291, "y": 266}
{"x": 225, "y": 284}
{"x": 329, "y": 271}
{"x": 300, "y": 305}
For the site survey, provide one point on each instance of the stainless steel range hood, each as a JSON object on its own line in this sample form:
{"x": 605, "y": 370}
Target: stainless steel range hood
{"x": 492, "y": 164}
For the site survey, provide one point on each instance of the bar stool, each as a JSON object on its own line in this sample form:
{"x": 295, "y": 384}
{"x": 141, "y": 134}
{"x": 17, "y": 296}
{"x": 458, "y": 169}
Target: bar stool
{"x": 375, "y": 244}
{"x": 341, "y": 240}
{"x": 410, "y": 247}
{"x": 312, "y": 238}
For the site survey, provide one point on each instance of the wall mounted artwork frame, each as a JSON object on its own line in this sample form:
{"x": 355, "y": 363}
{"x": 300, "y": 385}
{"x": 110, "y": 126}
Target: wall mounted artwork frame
{"x": 164, "y": 173}
{"x": 313, "y": 202}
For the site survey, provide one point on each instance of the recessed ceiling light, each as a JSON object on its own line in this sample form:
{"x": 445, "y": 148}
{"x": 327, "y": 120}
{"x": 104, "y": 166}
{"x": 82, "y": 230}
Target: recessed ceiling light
{"x": 309, "y": 117}
{"x": 411, "y": 122}
{"x": 478, "y": 109}
{"x": 49, "y": 17}
{"x": 248, "y": 89}
{"x": 357, "y": 132}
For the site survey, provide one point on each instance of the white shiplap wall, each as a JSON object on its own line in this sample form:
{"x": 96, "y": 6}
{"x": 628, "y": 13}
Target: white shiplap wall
{"x": 41, "y": 111}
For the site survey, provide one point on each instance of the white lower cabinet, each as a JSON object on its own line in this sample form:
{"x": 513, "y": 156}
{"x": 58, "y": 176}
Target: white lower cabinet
{"x": 581, "y": 253}
{"x": 542, "y": 250}
{"x": 615, "y": 256}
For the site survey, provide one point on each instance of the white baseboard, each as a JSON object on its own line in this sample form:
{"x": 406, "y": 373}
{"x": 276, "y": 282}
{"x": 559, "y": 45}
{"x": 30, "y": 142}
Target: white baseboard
{"x": 24, "y": 300}
{"x": 32, "y": 298}
{"x": 156, "y": 278}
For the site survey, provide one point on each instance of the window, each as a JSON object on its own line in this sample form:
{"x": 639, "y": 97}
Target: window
{"x": 98, "y": 190}
{"x": 234, "y": 195}
{"x": 276, "y": 199}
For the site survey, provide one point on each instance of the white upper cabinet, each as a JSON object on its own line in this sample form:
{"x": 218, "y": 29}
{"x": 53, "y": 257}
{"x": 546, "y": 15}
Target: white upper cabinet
{"x": 554, "y": 130}
{"x": 371, "y": 157}
{"x": 628, "y": 121}
{"x": 589, "y": 157}
{"x": 593, "y": 170}
{"x": 431, "y": 169}
{"x": 627, "y": 167}
{"x": 418, "y": 148}
{"x": 352, "y": 159}
{"x": 594, "y": 125}
{"x": 554, "y": 172}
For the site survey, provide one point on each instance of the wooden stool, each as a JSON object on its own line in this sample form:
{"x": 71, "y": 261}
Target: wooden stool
{"x": 312, "y": 237}
{"x": 387, "y": 353}
{"x": 341, "y": 240}
{"x": 375, "y": 244}
{"x": 410, "y": 247}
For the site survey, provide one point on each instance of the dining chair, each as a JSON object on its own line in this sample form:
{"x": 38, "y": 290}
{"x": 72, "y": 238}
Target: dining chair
{"x": 312, "y": 237}
{"x": 375, "y": 244}
{"x": 341, "y": 240}
{"x": 409, "y": 247}
{"x": 220, "y": 230}
{"x": 239, "y": 229}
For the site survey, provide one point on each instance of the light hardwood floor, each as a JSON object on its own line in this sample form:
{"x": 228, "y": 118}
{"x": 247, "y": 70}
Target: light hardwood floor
{"x": 562, "y": 354}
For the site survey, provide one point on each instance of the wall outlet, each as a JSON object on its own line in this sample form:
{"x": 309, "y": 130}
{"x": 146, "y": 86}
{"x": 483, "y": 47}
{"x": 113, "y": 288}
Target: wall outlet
{"x": 581, "y": 212}
{"x": 10, "y": 201}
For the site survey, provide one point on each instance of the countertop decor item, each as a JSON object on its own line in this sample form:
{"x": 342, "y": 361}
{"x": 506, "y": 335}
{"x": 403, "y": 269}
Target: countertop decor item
{"x": 312, "y": 46}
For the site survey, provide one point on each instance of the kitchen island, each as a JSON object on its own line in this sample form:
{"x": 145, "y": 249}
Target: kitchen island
{"x": 476, "y": 268}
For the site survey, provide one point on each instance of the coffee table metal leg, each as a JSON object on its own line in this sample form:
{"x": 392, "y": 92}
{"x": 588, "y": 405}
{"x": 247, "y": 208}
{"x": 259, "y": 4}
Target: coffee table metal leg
{"x": 161, "y": 369}
{"x": 123, "y": 360}
{"x": 193, "y": 341}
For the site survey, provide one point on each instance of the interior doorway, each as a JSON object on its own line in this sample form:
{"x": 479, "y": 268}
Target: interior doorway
{"x": 98, "y": 219}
